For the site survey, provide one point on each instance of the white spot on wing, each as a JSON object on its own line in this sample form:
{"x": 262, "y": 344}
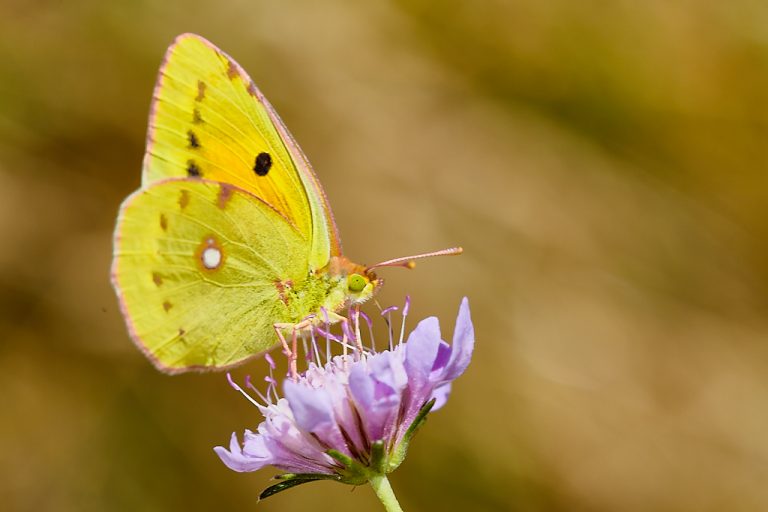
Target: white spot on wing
{"x": 211, "y": 257}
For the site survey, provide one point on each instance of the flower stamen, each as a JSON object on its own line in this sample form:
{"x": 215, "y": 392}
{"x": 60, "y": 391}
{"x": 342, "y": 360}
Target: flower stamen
{"x": 370, "y": 329}
{"x": 387, "y": 314}
{"x": 406, "y": 307}
{"x": 327, "y": 334}
{"x": 242, "y": 391}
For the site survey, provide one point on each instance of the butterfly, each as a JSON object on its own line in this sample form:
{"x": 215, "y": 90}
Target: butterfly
{"x": 230, "y": 243}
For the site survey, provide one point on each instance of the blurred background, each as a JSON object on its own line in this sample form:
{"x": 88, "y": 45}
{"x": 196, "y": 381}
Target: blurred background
{"x": 603, "y": 163}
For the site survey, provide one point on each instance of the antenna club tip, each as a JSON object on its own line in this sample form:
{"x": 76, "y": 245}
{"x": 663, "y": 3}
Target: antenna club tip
{"x": 410, "y": 264}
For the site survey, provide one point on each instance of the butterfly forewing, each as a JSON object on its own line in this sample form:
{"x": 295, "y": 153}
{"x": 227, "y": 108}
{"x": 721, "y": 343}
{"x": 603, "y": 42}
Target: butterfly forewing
{"x": 201, "y": 268}
{"x": 209, "y": 121}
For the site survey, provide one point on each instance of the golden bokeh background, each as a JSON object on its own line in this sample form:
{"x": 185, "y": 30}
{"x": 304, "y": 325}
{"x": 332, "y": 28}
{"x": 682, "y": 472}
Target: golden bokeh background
{"x": 603, "y": 163}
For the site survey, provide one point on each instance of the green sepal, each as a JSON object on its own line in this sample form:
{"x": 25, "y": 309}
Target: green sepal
{"x": 290, "y": 480}
{"x": 398, "y": 454}
{"x": 378, "y": 458}
{"x": 354, "y": 473}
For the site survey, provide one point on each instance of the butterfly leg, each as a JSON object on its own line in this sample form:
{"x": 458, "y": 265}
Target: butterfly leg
{"x": 294, "y": 354}
{"x": 291, "y": 352}
{"x": 286, "y": 349}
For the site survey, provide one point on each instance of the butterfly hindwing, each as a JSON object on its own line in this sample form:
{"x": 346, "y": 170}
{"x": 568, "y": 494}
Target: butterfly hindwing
{"x": 209, "y": 121}
{"x": 200, "y": 267}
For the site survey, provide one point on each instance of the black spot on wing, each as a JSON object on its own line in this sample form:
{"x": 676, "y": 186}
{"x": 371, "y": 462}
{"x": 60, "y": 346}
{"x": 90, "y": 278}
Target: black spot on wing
{"x": 194, "y": 143}
{"x": 193, "y": 171}
{"x": 196, "y": 117}
{"x": 263, "y": 164}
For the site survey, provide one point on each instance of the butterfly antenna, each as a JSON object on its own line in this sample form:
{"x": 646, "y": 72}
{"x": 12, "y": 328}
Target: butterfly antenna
{"x": 407, "y": 261}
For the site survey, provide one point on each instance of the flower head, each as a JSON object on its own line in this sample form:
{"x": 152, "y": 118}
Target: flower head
{"x": 353, "y": 417}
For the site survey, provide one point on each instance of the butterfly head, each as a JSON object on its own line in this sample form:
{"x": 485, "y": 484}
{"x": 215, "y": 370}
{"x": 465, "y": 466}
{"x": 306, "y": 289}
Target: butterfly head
{"x": 357, "y": 283}
{"x": 362, "y": 285}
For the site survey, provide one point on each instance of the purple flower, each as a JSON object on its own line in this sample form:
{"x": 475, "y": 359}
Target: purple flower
{"x": 353, "y": 417}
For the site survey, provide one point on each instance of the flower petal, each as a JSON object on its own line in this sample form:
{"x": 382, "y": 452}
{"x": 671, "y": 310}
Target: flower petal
{"x": 313, "y": 411}
{"x": 236, "y": 460}
{"x": 363, "y": 388}
{"x": 311, "y": 408}
{"x": 463, "y": 343}
{"x": 440, "y": 394}
{"x": 421, "y": 350}
{"x": 443, "y": 356}
{"x": 387, "y": 368}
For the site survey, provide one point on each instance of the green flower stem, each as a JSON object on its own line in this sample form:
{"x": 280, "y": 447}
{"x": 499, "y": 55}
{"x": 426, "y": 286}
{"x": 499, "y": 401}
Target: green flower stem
{"x": 384, "y": 492}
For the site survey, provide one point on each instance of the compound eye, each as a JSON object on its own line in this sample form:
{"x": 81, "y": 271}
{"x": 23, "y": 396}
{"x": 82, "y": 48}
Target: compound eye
{"x": 356, "y": 283}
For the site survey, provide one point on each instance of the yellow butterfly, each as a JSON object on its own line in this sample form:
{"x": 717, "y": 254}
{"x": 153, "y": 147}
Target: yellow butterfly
{"x": 230, "y": 241}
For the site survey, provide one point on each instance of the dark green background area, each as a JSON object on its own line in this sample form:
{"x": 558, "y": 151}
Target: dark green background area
{"x": 603, "y": 163}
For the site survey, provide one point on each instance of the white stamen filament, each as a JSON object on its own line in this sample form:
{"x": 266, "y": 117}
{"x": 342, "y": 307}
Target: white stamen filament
{"x": 406, "y": 307}
{"x": 308, "y": 355}
{"x": 327, "y": 336}
{"x": 315, "y": 349}
{"x": 357, "y": 327}
{"x": 242, "y": 391}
